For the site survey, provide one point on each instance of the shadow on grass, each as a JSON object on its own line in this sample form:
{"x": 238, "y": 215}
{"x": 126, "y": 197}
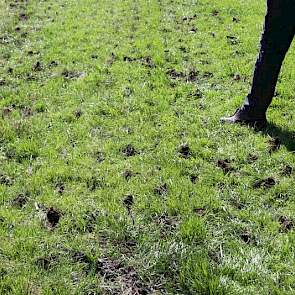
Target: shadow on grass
{"x": 287, "y": 137}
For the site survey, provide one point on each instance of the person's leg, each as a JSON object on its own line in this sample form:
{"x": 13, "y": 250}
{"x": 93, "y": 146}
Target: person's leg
{"x": 279, "y": 30}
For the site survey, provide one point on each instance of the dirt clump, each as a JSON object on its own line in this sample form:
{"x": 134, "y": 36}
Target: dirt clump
{"x": 252, "y": 158}
{"x": 53, "y": 217}
{"x": 20, "y": 201}
{"x": 287, "y": 170}
{"x": 53, "y": 63}
{"x": 225, "y": 165}
{"x": 145, "y": 61}
{"x": 91, "y": 220}
{"x": 60, "y": 187}
{"x": 185, "y": 151}
{"x": 194, "y": 178}
{"x": 37, "y": 67}
{"x": 232, "y": 40}
{"x": 70, "y": 75}
{"x": 246, "y": 237}
{"x": 94, "y": 182}
{"x": 264, "y": 183}
{"x": 123, "y": 279}
{"x": 26, "y": 112}
{"x": 128, "y": 202}
{"x": 190, "y": 76}
{"x": 274, "y": 144}
{"x": 80, "y": 257}
{"x": 23, "y": 16}
{"x": 5, "y": 180}
{"x": 129, "y": 150}
{"x": 215, "y": 12}
{"x": 286, "y": 223}
{"x": 78, "y": 113}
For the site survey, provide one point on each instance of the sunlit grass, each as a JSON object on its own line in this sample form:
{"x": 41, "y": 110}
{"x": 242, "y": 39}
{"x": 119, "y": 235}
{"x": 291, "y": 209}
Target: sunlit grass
{"x": 116, "y": 176}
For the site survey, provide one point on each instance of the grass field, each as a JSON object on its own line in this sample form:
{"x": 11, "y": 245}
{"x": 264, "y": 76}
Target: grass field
{"x": 116, "y": 176}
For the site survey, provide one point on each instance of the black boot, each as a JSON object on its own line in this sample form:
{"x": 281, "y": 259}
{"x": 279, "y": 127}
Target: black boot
{"x": 246, "y": 117}
{"x": 279, "y": 30}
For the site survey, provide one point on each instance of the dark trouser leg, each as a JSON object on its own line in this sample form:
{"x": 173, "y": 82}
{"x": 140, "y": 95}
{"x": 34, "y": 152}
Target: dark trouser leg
{"x": 279, "y": 30}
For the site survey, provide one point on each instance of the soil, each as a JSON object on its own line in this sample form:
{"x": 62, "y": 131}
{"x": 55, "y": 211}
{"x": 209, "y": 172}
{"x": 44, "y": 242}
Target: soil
{"x": 185, "y": 151}
{"x": 20, "y": 201}
{"x": 274, "y": 144}
{"x": 246, "y": 237}
{"x": 125, "y": 277}
{"x": 129, "y": 151}
{"x": 194, "y": 178}
{"x": 287, "y": 170}
{"x": 128, "y": 202}
{"x": 286, "y": 223}
{"x": 264, "y": 183}
{"x": 225, "y": 165}
{"x": 53, "y": 217}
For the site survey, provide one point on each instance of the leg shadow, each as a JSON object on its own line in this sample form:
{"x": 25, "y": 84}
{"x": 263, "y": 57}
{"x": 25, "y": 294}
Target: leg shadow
{"x": 286, "y": 136}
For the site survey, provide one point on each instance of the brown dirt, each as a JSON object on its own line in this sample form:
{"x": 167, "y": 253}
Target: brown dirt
{"x": 225, "y": 165}
{"x": 37, "y": 66}
{"x": 20, "y": 201}
{"x": 246, "y": 237}
{"x": 129, "y": 150}
{"x": 128, "y": 202}
{"x": 287, "y": 170}
{"x": 145, "y": 61}
{"x": 100, "y": 157}
{"x": 80, "y": 257}
{"x": 123, "y": 279}
{"x": 60, "y": 187}
{"x": 232, "y": 40}
{"x": 91, "y": 219}
{"x": 185, "y": 151}
{"x": 286, "y": 223}
{"x": 6, "y": 180}
{"x": 78, "y": 113}
{"x": 274, "y": 144}
{"x": 252, "y": 158}
{"x": 26, "y": 112}
{"x": 194, "y": 178}
{"x": 53, "y": 217}
{"x": 264, "y": 183}
{"x": 70, "y": 75}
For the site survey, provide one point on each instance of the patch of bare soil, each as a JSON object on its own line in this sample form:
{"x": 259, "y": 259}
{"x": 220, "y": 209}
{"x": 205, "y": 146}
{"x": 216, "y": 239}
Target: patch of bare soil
{"x": 286, "y": 223}
{"x": 225, "y": 165}
{"x": 53, "y": 217}
{"x": 20, "y": 201}
{"x": 145, "y": 61}
{"x": 118, "y": 278}
{"x": 264, "y": 183}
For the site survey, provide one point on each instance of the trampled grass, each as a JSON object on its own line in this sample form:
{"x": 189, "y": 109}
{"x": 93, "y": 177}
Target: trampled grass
{"x": 116, "y": 176}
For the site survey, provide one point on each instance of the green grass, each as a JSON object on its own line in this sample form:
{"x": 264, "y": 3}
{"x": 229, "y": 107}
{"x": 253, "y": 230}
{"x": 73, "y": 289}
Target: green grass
{"x": 92, "y": 113}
